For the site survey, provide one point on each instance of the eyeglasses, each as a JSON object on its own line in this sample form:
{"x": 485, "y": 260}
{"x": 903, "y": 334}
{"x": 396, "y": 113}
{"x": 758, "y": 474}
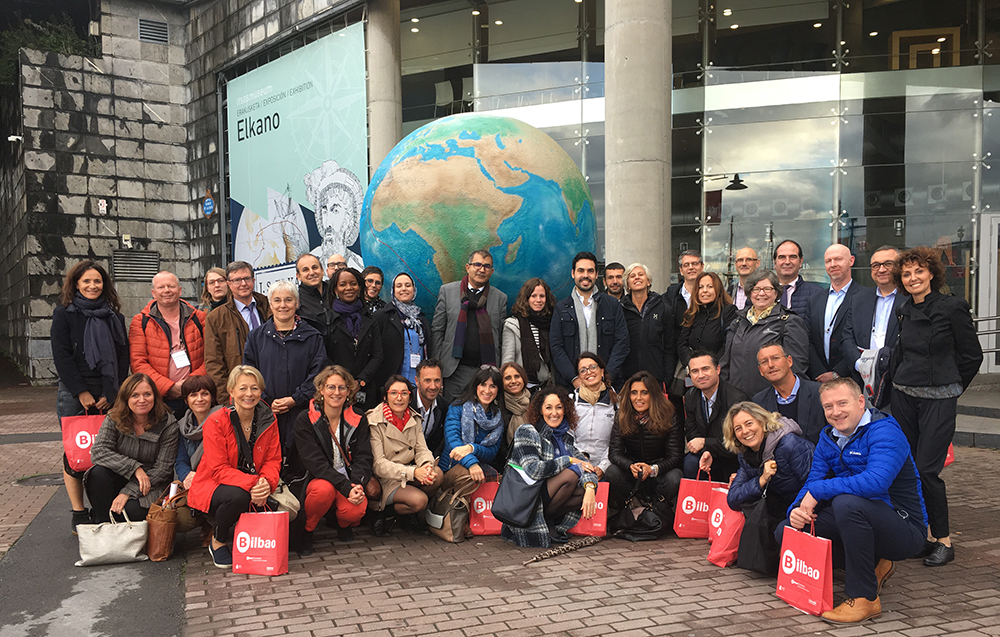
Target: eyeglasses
{"x": 373, "y": 282}
{"x": 691, "y": 264}
{"x": 876, "y": 266}
{"x": 340, "y": 265}
{"x": 482, "y": 266}
{"x": 746, "y": 260}
{"x": 397, "y": 393}
{"x": 340, "y": 389}
{"x": 766, "y": 290}
{"x": 241, "y": 280}
{"x": 589, "y": 368}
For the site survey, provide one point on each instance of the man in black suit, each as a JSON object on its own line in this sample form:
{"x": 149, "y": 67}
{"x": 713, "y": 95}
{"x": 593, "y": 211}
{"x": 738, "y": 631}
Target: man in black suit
{"x": 796, "y": 291}
{"x": 706, "y": 405}
{"x": 790, "y": 395}
{"x": 429, "y": 402}
{"x": 870, "y": 322}
{"x": 826, "y": 317}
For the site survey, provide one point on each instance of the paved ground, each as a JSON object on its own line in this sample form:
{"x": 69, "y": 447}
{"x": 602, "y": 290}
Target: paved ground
{"x": 406, "y": 585}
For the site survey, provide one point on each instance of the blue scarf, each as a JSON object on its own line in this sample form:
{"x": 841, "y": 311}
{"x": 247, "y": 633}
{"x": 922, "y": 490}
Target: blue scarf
{"x": 557, "y": 436}
{"x": 351, "y": 313}
{"x": 101, "y": 335}
{"x": 475, "y": 417}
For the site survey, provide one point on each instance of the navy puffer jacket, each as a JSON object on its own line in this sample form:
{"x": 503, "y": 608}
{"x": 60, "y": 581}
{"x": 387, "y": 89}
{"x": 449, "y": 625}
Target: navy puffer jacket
{"x": 791, "y": 452}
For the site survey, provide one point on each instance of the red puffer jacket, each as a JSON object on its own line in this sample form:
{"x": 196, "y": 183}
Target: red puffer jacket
{"x": 221, "y": 456}
{"x": 149, "y": 343}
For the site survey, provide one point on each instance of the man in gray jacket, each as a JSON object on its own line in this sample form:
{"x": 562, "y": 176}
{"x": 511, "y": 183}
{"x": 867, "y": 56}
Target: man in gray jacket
{"x": 468, "y": 317}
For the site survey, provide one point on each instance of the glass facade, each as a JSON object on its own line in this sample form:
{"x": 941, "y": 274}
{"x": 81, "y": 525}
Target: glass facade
{"x": 868, "y": 123}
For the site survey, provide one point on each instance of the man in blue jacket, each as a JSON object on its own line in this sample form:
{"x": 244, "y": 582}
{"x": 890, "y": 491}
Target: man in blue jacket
{"x": 863, "y": 492}
{"x": 587, "y": 321}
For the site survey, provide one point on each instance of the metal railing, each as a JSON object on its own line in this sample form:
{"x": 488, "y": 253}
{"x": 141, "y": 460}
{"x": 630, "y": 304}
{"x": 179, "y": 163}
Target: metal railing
{"x": 979, "y": 332}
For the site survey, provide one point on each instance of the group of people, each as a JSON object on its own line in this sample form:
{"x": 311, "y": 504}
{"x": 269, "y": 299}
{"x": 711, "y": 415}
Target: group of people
{"x": 364, "y": 407}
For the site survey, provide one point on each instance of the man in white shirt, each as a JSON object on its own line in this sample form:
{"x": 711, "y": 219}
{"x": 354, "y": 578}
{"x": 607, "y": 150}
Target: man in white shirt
{"x": 826, "y": 317}
{"x": 746, "y": 263}
{"x": 428, "y": 401}
{"x": 796, "y": 291}
{"x": 871, "y": 318}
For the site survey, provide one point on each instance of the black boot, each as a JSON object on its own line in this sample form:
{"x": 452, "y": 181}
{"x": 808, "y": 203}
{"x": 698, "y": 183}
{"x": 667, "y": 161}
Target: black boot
{"x": 80, "y": 517}
{"x": 306, "y": 544}
{"x": 383, "y": 522}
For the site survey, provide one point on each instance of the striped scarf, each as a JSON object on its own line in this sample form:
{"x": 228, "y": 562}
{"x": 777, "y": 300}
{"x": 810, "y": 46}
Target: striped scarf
{"x": 487, "y": 349}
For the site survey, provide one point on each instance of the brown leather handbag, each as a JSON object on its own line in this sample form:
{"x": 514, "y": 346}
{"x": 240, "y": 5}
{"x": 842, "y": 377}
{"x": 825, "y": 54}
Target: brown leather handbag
{"x": 162, "y": 523}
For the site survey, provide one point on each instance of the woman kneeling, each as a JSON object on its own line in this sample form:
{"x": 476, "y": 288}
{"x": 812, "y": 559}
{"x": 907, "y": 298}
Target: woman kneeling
{"x": 473, "y": 431}
{"x": 240, "y": 462}
{"x": 544, "y": 450}
{"x": 334, "y": 446}
{"x": 402, "y": 462}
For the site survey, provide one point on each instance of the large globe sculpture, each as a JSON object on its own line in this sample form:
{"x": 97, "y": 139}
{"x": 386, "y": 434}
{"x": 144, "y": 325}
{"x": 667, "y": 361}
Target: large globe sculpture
{"x": 467, "y": 182}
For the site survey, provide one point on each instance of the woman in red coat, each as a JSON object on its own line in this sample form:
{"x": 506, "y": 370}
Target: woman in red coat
{"x": 241, "y": 460}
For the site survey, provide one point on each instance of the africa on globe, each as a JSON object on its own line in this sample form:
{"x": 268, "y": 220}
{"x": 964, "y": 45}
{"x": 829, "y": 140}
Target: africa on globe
{"x": 473, "y": 181}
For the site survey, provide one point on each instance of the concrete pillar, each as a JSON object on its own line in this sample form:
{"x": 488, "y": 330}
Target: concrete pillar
{"x": 637, "y": 54}
{"x": 385, "y": 91}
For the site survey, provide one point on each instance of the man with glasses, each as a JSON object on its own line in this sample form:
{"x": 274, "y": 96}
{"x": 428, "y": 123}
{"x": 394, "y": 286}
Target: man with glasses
{"x": 826, "y": 317}
{"x": 691, "y": 266}
{"x": 468, "y": 317}
{"x": 870, "y": 322}
{"x": 228, "y": 325}
{"x": 334, "y": 264}
{"x": 587, "y": 321}
{"x": 166, "y": 341}
{"x": 747, "y": 263}
{"x": 796, "y": 291}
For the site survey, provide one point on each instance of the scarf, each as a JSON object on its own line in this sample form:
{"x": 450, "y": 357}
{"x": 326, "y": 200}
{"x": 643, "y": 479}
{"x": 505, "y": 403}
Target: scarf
{"x": 642, "y": 419}
{"x": 394, "y": 420}
{"x": 100, "y": 335}
{"x": 516, "y": 406}
{"x": 488, "y": 355}
{"x": 753, "y": 316}
{"x": 534, "y": 353}
{"x": 374, "y": 305}
{"x": 474, "y": 417}
{"x": 591, "y": 396}
{"x": 557, "y": 437}
{"x": 351, "y": 314}
{"x": 409, "y": 313}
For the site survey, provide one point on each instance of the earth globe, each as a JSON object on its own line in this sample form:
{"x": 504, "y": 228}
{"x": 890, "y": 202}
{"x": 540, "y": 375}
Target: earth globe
{"x": 468, "y": 182}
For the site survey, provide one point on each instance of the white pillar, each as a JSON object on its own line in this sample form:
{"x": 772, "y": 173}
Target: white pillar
{"x": 385, "y": 92}
{"x": 637, "y": 59}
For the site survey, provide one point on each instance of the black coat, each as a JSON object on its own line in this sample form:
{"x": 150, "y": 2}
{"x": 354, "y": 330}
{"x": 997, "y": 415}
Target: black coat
{"x": 818, "y": 362}
{"x": 435, "y": 439}
{"x": 804, "y": 291}
{"x": 666, "y": 451}
{"x": 706, "y": 331}
{"x": 724, "y": 462}
{"x": 314, "y": 447}
{"x": 937, "y": 343}
{"x": 312, "y": 307}
{"x": 71, "y": 364}
{"x": 811, "y": 418}
{"x": 392, "y": 330}
{"x": 652, "y": 345}
{"x": 858, "y": 326}
{"x": 612, "y": 338}
{"x": 363, "y": 358}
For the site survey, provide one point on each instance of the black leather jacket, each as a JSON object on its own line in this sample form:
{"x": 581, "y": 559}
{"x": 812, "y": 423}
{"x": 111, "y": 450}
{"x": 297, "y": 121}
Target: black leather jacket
{"x": 666, "y": 451}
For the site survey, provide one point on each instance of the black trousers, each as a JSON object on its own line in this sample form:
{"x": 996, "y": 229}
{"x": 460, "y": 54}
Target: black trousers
{"x": 621, "y": 482}
{"x": 929, "y": 425}
{"x": 863, "y": 531}
{"x": 228, "y": 504}
{"x": 103, "y": 486}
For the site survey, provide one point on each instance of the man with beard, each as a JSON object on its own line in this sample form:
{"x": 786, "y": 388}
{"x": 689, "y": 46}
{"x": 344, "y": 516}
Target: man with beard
{"x": 614, "y": 280}
{"x": 587, "y": 321}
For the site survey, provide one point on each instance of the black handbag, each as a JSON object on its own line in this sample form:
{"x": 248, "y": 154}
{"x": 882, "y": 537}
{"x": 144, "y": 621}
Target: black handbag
{"x": 515, "y": 500}
{"x": 758, "y": 549}
{"x": 637, "y": 524}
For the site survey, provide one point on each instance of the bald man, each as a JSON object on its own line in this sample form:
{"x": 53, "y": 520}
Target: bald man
{"x": 166, "y": 340}
{"x": 746, "y": 263}
{"x": 826, "y": 317}
{"x": 335, "y": 264}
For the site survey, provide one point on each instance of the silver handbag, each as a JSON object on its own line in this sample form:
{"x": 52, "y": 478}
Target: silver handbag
{"x": 284, "y": 500}
{"x": 112, "y": 542}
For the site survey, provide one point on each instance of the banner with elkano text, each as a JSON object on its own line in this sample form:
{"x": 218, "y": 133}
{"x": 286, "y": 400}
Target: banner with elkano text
{"x": 298, "y": 155}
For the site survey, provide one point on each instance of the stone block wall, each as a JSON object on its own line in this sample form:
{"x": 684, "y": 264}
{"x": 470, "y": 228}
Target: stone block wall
{"x": 114, "y": 129}
{"x": 13, "y": 233}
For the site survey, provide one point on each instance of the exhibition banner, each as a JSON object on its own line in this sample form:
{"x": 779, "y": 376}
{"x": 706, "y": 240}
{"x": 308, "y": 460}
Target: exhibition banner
{"x": 298, "y": 154}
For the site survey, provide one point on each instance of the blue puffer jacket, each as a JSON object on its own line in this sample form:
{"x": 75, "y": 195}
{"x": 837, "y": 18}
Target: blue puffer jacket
{"x": 875, "y": 464}
{"x": 453, "y": 438}
{"x": 791, "y": 452}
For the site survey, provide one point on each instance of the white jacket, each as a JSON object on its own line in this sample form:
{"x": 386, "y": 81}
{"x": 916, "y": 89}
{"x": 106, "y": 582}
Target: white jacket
{"x": 593, "y": 428}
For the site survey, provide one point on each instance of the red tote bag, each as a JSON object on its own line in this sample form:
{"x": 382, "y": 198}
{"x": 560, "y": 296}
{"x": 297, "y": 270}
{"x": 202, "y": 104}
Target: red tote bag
{"x": 950, "y": 456}
{"x": 597, "y": 525}
{"x": 805, "y": 575}
{"x": 78, "y": 433}
{"x": 724, "y": 529}
{"x": 691, "y": 517}
{"x": 481, "y": 518}
{"x": 260, "y": 546}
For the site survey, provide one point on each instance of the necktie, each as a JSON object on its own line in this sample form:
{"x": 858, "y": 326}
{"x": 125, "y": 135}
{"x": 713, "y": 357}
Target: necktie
{"x": 254, "y": 321}
{"x": 784, "y": 296}
{"x": 704, "y": 405}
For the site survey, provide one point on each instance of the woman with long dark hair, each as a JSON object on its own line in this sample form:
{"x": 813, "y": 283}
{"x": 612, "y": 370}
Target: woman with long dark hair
{"x": 705, "y": 323}
{"x": 526, "y": 333}
{"x": 516, "y": 397}
{"x": 647, "y": 445}
{"x": 353, "y": 338}
{"x": 90, "y": 352}
{"x": 544, "y": 450}
{"x": 935, "y": 358}
{"x": 473, "y": 433}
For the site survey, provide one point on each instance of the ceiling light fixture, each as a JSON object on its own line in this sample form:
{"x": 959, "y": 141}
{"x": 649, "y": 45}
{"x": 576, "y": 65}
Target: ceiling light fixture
{"x": 734, "y": 26}
{"x": 498, "y": 22}
{"x": 873, "y": 34}
{"x": 414, "y": 30}
{"x": 935, "y": 51}
{"x": 817, "y": 25}
{"x": 727, "y": 12}
{"x": 414, "y": 19}
{"x": 475, "y": 12}
{"x": 942, "y": 39}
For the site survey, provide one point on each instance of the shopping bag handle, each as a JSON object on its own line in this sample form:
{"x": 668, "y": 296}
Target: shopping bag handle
{"x": 707, "y": 473}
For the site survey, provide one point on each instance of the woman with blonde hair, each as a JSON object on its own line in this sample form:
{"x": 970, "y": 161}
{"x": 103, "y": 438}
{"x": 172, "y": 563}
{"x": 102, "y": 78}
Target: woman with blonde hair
{"x": 650, "y": 321}
{"x": 772, "y": 454}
